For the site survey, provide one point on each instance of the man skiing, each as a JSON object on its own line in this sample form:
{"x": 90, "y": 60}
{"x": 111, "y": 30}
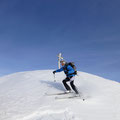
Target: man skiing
{"x": 70, "y": 76}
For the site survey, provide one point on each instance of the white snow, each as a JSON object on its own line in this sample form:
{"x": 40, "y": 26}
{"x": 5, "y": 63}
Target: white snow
{"x": 22, "y": 97}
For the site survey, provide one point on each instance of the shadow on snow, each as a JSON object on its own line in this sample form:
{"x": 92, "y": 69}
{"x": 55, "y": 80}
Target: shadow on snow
{"x": 55, "y": 85}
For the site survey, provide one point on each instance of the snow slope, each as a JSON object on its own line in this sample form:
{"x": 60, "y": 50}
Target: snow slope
{"x": 22, "y": 97}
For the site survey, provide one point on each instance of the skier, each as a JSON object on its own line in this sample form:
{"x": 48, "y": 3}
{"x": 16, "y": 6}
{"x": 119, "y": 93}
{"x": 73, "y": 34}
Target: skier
{"x": 70, "y": 76}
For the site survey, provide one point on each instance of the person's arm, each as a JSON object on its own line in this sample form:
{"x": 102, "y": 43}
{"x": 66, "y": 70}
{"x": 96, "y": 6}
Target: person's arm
{"x": 58, "y": 70}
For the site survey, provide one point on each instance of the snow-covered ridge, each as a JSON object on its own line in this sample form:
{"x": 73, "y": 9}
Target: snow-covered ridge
{"x": 22, "y": 97}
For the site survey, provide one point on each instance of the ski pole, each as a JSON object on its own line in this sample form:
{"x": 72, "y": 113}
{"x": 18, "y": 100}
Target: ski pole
{"x": 54, "y": 78}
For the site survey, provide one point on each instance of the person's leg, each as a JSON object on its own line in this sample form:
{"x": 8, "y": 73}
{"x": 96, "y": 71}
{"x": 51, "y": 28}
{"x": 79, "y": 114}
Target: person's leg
{"x": 74, "y": 87}
{"x": 65, "y": 84}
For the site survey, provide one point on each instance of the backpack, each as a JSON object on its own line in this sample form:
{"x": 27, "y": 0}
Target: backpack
{"x": 73, "y": 66}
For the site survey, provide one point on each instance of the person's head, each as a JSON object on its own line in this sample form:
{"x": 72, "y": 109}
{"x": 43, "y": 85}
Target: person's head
{"x": 62, "y": 62}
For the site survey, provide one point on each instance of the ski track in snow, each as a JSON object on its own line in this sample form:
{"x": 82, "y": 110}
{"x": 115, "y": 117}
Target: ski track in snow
{"x": 22, "y": 97}
{"x": 52, "y": 115}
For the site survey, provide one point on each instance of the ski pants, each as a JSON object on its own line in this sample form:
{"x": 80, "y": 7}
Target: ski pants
{"x": 71, "y": 80}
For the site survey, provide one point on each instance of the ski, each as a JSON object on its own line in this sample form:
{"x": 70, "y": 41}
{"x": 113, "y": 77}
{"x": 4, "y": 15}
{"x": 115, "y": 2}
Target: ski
{"x": 69, "y": 97}
{"x": 61, "y": 93}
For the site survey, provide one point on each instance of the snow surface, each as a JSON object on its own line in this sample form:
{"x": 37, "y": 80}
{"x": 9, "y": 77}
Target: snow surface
{"x": 22, "y": 97}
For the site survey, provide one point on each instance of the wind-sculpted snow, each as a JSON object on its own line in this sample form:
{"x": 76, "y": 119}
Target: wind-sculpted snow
{"x": 23, "y": 97}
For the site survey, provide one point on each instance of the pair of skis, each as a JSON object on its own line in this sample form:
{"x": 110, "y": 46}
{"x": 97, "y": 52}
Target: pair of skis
{"x": 72, "y": 95}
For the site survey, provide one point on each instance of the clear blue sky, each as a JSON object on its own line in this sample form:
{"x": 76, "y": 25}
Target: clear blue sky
{"x": 33, "y": 32}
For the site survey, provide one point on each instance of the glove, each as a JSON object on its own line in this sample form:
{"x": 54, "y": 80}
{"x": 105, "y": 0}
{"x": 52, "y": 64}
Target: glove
{"x": 66, "y": 72}
{"x": 54, "y": 72}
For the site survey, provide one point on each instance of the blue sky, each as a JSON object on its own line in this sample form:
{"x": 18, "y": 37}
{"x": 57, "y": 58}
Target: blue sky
{"x": 33, "y": 32}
